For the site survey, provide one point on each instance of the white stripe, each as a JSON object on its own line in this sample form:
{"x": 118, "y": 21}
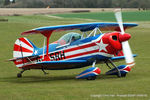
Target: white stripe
{"x": 20, "y": 65}
{"x": 18, "y": 42}
{"x": 95, "y": 73}
{"x": 100, "y": 37}
{"x": 70, "y": 47}
{"x": 16, "y": 54}
{"x": 81, "y": 50}
{"x": 92, "y": 54}
{"x": 19, "y": 54}
{"x": 130, "y": 65}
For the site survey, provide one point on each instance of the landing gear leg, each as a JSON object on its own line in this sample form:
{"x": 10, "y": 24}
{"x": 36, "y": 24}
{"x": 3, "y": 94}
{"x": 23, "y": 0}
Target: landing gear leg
{"x": 44, "y": 71}
{"x": 119, "y": 74}
{"x": 93, "y": 65}
{"x": 19, "y": 75}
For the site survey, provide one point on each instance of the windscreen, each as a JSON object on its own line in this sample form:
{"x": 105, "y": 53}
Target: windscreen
{"x": 69, "y": 37}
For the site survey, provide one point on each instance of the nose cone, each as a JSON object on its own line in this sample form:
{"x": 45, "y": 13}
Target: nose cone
{"x": 124, "y": 37}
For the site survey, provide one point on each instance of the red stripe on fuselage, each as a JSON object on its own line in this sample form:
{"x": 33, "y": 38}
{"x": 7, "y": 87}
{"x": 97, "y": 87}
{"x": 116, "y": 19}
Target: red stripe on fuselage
{"x": 79, "y": 47}
{"x": 81, "y": 54}
{"x": 72, "y": 49}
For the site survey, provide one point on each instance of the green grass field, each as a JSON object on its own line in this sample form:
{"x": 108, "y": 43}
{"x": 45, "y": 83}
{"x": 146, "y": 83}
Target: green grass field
{"x": 109, "y": 16}
{"x": 62, "y": 85}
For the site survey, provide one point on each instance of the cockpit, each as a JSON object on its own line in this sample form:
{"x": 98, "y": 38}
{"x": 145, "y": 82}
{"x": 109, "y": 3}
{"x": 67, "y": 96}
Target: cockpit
{"x": 69, "y": 38}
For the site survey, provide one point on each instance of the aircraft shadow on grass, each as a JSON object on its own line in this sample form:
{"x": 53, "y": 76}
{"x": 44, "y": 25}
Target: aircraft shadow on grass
{"x": 35, "y": 79}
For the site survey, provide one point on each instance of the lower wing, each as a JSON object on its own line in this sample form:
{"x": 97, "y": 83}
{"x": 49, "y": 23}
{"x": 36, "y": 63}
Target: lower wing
{"x": 120, "y": 57}
{"x": 57, "y": 65}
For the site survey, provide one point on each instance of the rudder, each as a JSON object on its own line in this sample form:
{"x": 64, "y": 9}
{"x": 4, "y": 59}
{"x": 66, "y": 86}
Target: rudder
{"x": 23, "y": 48}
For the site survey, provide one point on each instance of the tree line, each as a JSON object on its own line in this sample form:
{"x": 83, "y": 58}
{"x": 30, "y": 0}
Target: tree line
{"x": 76, "y": 3}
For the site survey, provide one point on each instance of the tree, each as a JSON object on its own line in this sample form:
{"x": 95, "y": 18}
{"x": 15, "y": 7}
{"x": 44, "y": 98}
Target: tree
{"x": 76, "y": 3}
{"x": 13, "y": 1}
{"x": 6, "y": 2}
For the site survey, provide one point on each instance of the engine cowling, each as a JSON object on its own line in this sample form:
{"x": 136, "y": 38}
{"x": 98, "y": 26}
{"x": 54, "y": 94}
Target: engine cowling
{"x": 114, "y": 40}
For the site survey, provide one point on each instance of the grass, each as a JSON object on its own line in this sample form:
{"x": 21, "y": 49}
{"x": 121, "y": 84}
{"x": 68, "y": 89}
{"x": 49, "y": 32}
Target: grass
{"x": 109, "y": 16}
{"x": 62, "y": 85}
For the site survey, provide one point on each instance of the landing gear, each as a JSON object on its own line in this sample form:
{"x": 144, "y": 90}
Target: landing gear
{"x": 122, "y": 75}
{"x": 115, "y": 71}
{"x": 90, "y": 73}
{"x": 44, "y": 71}
{"x": 91, "y": 78}
{"x": 19, "y": 75}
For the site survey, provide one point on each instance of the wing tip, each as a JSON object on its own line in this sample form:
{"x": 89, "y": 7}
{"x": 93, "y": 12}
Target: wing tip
{"x": 30, "y": 32}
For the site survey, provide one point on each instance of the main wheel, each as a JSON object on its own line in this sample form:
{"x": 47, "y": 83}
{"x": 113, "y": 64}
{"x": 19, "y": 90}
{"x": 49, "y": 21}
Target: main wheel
{"x": 91, "y": 78}
{"x": 19, "y": 75}
{"x": 122, "y": 75}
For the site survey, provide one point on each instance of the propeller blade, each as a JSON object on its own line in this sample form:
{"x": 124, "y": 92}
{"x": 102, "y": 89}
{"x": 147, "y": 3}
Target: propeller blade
{"x": 125, "y": 45}
{"x": 119, "y": 20}
{"x": 128, "y": 54}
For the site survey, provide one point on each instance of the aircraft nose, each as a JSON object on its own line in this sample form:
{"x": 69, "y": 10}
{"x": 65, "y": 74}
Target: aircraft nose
{"x": 124, "y": 37}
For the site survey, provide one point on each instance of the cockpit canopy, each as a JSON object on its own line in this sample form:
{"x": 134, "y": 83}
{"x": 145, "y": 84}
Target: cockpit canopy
{"x": 69, "y": 37}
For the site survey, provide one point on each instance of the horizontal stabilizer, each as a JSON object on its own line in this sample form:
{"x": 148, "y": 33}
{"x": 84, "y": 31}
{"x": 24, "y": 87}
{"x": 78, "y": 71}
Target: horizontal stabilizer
{"x": 63, "y": 62}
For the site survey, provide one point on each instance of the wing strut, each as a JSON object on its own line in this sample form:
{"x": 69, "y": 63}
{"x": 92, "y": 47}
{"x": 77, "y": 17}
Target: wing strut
{"x": 47, "y": 34}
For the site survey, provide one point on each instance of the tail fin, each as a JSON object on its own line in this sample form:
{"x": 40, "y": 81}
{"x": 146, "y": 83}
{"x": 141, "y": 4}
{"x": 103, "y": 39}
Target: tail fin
{"x": 23, "y": 48}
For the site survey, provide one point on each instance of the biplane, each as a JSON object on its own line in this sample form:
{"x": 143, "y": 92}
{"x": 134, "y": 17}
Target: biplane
{"x": 77, "y": 50}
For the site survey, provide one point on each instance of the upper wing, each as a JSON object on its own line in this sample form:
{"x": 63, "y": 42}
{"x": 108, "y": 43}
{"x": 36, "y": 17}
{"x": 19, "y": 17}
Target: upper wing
{"x": 82, "y": 27}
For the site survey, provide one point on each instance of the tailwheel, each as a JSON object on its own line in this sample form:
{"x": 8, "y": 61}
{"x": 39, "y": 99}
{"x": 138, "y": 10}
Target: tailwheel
{"x": 19, "y": 75}
{"x": 91, "y": 78}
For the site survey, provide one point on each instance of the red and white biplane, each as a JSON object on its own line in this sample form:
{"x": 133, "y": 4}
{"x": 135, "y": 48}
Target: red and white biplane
{"x": 74, "y": 50}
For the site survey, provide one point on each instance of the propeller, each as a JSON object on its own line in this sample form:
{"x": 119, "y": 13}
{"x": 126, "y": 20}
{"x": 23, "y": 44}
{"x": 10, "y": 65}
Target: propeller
{"x": 125, "y": 45}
